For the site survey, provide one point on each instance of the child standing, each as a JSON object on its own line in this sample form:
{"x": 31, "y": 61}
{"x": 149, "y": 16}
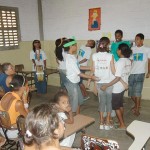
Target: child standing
{"x": 61, "y": 60}
{"x": 83, "y": 57}
{"x": 38, "y": 57}
{"x": 114, "y": 45}
{"x": 140, "y": 57}
{"x": 65, "y": 113}
{"x": 103, "y": 64}
{"x": 123, "y": 68}
{"x": 73, "y": 75}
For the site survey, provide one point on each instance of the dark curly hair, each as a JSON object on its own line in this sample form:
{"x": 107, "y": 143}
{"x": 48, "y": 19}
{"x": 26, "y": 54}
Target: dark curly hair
{"x": 125, "y": 50}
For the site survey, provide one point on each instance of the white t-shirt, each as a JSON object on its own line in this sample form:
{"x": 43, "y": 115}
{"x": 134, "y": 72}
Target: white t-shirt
{"x": 140, "y": 57}
{"x": 123, "y": 69}
{"x": 42, "y": 57}
{"x": 102, "y": 66}
{"x": 72, "y": 69}
{"x": 84, "y": 53}
{"x": 62, "y": 64}
{"x": 62, "y": 115}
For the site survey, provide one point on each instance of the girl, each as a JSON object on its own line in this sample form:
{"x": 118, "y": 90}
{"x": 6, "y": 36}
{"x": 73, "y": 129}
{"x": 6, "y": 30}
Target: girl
{"x": 43, "y": 128}
{"x": 38, "y": 58}
{"x": 62, "y": 103}
{"x": 123, "y": 68}
{"x": 73, "y": 75}
{"x": 61, "y": 60}
{"x": 15, "y": 102}
{"x": 103, "y": 64}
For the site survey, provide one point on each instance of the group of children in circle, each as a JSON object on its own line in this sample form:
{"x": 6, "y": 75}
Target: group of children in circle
{"x": 110, "y": 70}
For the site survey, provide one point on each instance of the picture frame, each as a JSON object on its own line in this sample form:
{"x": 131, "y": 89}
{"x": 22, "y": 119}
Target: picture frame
{"x": 94, "y": 21}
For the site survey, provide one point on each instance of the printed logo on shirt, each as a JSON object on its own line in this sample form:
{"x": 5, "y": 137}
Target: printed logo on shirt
{"x": 138, "y": 57}
{"x": 37, "y": 58}
{"x": 81, "y": 52}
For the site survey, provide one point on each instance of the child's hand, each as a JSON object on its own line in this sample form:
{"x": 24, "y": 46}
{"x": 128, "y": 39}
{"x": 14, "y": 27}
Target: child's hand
{"x": 125, "y": 86}
{"x": 88, "y": 83}
{"x": 95, "y": 78}
{"x": 147, "y": 75}
{"x": 25, "y": 95}
{"x": 68, "y": 109}
{"x": 104, "y": 87}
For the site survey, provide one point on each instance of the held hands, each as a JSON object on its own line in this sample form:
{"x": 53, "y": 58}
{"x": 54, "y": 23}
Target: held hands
{"x": 95, "y": 78}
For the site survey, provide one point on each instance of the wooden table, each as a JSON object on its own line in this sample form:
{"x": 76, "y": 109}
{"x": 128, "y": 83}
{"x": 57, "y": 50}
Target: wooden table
{"x": 80, "y": 122}
{"x": 49, "y": 71}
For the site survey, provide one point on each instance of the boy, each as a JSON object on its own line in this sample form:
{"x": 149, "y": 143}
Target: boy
{"x": 123, "y": 68}
{"x": 141, "y": 55}
{"x": 114, "y": 45}
{"x": 83, "y": 56}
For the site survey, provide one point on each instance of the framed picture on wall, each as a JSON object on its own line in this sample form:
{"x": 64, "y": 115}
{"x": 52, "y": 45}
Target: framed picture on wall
{"x": 94, "y": 22}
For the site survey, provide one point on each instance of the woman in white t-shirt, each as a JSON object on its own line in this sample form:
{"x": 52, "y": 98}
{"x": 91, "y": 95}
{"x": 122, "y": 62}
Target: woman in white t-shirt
{"x": 103, "y": 64}
{"x": 73, "y": 75}
{"x": 38, "y": 57}
{"x": 61, "y": 60}
{"x": 123, "y": 68}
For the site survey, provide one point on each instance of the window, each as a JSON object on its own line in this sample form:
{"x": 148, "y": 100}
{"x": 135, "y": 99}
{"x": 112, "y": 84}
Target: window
{"x": 9, "y": 28}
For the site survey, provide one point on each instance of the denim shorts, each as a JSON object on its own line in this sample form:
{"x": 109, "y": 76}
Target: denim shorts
{"x": 136, "y": 84}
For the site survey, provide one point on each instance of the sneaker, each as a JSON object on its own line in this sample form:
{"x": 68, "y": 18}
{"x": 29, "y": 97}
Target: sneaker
{"x": 101, "y": 126}
{"x": 107, "y": 127}
{"x": 86, "y": 98}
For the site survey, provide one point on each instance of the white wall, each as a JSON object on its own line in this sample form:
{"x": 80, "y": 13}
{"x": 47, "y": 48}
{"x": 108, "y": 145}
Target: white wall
{"x": 70, "y": 17}
{"x": 28, "y": 16}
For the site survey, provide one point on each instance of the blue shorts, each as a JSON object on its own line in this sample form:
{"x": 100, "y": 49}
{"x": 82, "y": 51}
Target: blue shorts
{"x": 136, "y": 84}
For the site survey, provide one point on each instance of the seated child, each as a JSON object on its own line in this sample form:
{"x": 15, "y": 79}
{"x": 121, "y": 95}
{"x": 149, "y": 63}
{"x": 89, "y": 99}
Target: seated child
{"x": 65, "y": 113}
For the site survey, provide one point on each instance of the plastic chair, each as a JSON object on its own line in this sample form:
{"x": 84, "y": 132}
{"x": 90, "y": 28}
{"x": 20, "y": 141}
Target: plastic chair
{"x": 5, "y": 124}
{"x": 141, "y": 131}
{"x": 94, "y": 143}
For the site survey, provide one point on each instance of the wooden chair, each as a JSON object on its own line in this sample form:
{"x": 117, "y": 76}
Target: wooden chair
{"x": 5, "y": 124}
{"x": 141, "y": 131}
{"x": 94, "y": 143}
{"x": 22, "y": 130}
{"x": 20, "y": 70}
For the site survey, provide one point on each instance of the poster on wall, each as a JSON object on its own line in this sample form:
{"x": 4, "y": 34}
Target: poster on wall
{"x": 94, "y": 19}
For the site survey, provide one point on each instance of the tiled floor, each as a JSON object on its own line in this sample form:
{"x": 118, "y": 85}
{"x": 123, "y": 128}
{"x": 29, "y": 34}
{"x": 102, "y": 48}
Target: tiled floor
{"x": 90, "y": 107}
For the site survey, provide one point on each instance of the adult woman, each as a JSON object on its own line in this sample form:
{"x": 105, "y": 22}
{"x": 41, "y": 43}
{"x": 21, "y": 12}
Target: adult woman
{"x": 43, "y": 128}
{"x": 6, "y": 77}
{"x": 38, "y": 57}
{"x": 15, "y": 102}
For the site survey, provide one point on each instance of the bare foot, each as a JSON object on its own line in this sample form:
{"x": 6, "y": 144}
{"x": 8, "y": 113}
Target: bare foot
{"x": 136, "y": 113}
{"x": 133, "y": 109}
